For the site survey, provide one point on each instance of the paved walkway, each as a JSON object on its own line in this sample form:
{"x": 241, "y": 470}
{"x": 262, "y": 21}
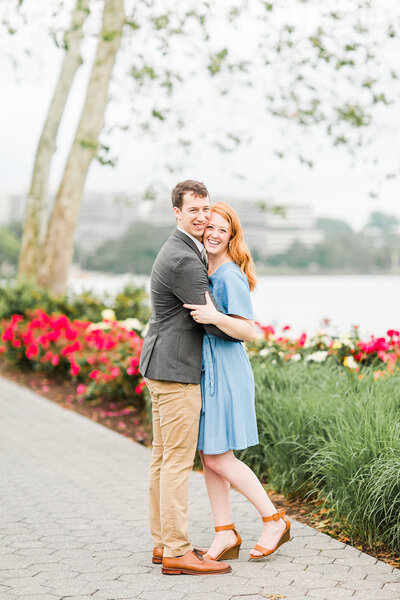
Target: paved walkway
{"x": 73, "y": 524}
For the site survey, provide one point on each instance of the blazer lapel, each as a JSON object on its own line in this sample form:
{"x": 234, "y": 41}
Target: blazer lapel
{"x": 185, "y": 238}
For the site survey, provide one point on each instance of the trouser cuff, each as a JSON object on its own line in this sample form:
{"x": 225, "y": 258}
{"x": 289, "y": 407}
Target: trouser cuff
{"x": 173, "y": 552}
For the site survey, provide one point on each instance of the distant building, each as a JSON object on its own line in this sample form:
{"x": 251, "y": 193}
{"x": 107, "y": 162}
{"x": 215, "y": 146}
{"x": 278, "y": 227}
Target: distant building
{"x": 265, "y": 232}
{"x": 107, "y": 216}
{"x": 4, "y": 209}
{"x": 15, "y": 209}
{"x": 104, "y": 217}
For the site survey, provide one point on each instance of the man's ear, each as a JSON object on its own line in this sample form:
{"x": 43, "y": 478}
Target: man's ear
{"x": 176, "y": 211}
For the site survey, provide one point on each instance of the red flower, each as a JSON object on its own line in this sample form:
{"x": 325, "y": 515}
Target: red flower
{"x": 2, "y": 349}
{"x": 75, "y": 369}
{"x": 81, "y": 389}
{"x": 393, "y": 333}
{"x": 94, "y": 374}
{"x": 8, "y": 334}
{"x": 55, "y": 360}
{"x": 16, "y": 318}
{"x": 115, "y": 371}
{"x": 302, "y": 339}
{"x": 32, "y": 351}
{"x": 139, "y": 388}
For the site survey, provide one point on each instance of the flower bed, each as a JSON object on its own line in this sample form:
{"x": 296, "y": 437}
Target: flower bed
{"x": 101, "y": 358}
{"x": 348, "y": 351}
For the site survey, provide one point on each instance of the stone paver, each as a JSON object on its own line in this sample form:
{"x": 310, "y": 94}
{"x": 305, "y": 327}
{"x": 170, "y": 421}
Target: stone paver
{"x": 74, "y": 524}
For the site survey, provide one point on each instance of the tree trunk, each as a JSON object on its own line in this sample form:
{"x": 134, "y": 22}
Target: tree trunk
{"x": 58, "y": 247}
{"x": 36, "y": 206}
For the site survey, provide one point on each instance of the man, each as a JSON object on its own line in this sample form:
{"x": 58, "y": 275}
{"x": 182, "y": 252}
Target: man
{"x": 171, "y": 365}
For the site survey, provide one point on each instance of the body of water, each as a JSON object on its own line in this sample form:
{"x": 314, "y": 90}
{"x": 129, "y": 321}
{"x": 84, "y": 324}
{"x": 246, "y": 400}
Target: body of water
{"x": 300, "y": 301}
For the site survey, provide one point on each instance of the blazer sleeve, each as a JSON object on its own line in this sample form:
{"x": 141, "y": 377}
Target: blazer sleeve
{"x": 190, "y": 283}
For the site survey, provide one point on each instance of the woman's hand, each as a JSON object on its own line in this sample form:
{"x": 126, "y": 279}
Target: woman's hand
{"x": 204, "y": 313}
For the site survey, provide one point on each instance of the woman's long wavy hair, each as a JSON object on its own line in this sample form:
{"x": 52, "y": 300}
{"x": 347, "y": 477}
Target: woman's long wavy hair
{"x": 237, "y": 249}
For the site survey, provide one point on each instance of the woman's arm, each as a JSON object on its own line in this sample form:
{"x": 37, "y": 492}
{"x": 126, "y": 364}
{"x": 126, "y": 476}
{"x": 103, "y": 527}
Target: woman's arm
{"x": 232, "y": 325}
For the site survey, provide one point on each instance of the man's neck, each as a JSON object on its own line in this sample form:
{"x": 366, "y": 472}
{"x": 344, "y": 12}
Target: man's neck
{"x": 198, "y": 243}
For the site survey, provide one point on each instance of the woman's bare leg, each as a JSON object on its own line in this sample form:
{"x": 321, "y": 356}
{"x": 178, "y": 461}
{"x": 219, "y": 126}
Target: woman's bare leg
{"x": 242, "y": 478}
{"x": 218, "y": 489}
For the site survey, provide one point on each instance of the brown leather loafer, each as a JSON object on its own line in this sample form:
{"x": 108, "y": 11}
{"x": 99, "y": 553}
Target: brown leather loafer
{"x": 193, "y": 563}
{"x": 158, "y": 554}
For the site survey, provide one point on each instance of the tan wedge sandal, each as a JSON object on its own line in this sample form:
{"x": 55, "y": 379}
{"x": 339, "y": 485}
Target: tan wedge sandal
{"x": 232, "y": 551}
{"x": 285, "y": 537}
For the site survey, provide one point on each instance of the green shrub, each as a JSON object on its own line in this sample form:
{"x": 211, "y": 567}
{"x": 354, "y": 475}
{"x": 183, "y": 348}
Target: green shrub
{"x": 22, "y": 297}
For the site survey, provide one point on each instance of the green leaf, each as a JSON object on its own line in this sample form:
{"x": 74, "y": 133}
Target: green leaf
{"x": 216, "y": 61}
{"x": 157, "y": 114}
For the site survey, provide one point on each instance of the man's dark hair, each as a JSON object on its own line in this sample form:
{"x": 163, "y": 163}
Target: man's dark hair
{"x": 199, "y": 189}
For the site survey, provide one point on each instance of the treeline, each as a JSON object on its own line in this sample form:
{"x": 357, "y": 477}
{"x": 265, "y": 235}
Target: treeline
{"x": 374, "y": 249}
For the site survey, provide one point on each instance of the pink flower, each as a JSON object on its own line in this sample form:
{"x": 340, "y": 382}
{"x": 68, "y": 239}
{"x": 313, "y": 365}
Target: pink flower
{"x": 392, "y": 333}
{"x": 81, "y": 389}
{"x": 139, "y": 388}
{"x": 75, "y": 369}
{"x": 302, "y": 339}
{"x": 121, "y": 425}
{"x": 94, "y": 374}
{"x": 382, "y": 355}
{"x": 115, "y": 371}
{"x": 286, "y": 328}
{"x": 55, "y": 360}
{"x": 2, "y": 349}
{"x": 32, "y": 351}
{"x": 16, "y": 318}
{"x": 8, "y": 335}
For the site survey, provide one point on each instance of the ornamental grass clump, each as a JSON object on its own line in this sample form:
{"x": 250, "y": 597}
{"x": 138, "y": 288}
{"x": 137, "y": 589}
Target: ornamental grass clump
{"x": 357, "y": 469}
{"x": 324, "y": 431}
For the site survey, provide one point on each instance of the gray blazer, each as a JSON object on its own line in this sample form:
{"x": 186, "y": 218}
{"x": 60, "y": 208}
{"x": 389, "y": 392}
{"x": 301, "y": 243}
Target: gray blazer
{"x": 172, "y": 349}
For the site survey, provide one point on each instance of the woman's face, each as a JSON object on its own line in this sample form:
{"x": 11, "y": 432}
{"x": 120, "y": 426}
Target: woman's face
{"x": 216, "y": 235}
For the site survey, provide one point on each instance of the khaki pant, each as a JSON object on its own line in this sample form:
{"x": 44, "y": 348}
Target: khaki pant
{"x": 176, "y": 414}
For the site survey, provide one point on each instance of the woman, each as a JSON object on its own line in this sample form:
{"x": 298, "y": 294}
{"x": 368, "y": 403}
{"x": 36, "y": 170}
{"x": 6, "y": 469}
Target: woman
{"x": 228, "y": 420}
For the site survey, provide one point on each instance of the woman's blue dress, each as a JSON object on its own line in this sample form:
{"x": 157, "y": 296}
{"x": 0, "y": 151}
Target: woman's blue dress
{"x": 228, "y": 418}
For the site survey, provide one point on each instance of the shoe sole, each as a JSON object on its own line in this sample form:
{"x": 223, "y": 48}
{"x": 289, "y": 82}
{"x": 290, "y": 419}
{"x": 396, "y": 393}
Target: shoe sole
{"x": 283, "y": 541}
{"x": 186, "y": 572}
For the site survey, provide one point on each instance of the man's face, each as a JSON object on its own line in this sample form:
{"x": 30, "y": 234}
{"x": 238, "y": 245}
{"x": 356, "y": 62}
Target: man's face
{"x": 194, "y": 215}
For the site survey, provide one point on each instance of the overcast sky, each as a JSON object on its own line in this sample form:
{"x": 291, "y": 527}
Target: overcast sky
{"x": 334, "y": 187}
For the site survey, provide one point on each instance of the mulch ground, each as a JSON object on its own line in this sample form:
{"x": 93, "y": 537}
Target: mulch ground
{"x": 130, "y": 422}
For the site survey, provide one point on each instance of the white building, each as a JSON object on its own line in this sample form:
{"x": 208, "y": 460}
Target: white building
{"x": 265, "y": 232}
{"x": 107, "y": 216}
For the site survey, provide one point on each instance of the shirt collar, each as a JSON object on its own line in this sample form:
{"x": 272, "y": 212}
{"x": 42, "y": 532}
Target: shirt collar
{"x": 199, "y": 245}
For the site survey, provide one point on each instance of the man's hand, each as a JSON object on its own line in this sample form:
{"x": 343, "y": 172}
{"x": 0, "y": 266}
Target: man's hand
{"x": 204, "y": 313}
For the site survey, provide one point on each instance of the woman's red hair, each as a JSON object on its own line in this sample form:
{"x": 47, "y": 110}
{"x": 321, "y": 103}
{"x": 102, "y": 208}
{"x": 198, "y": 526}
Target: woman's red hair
{"x": 237, "y": 249}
